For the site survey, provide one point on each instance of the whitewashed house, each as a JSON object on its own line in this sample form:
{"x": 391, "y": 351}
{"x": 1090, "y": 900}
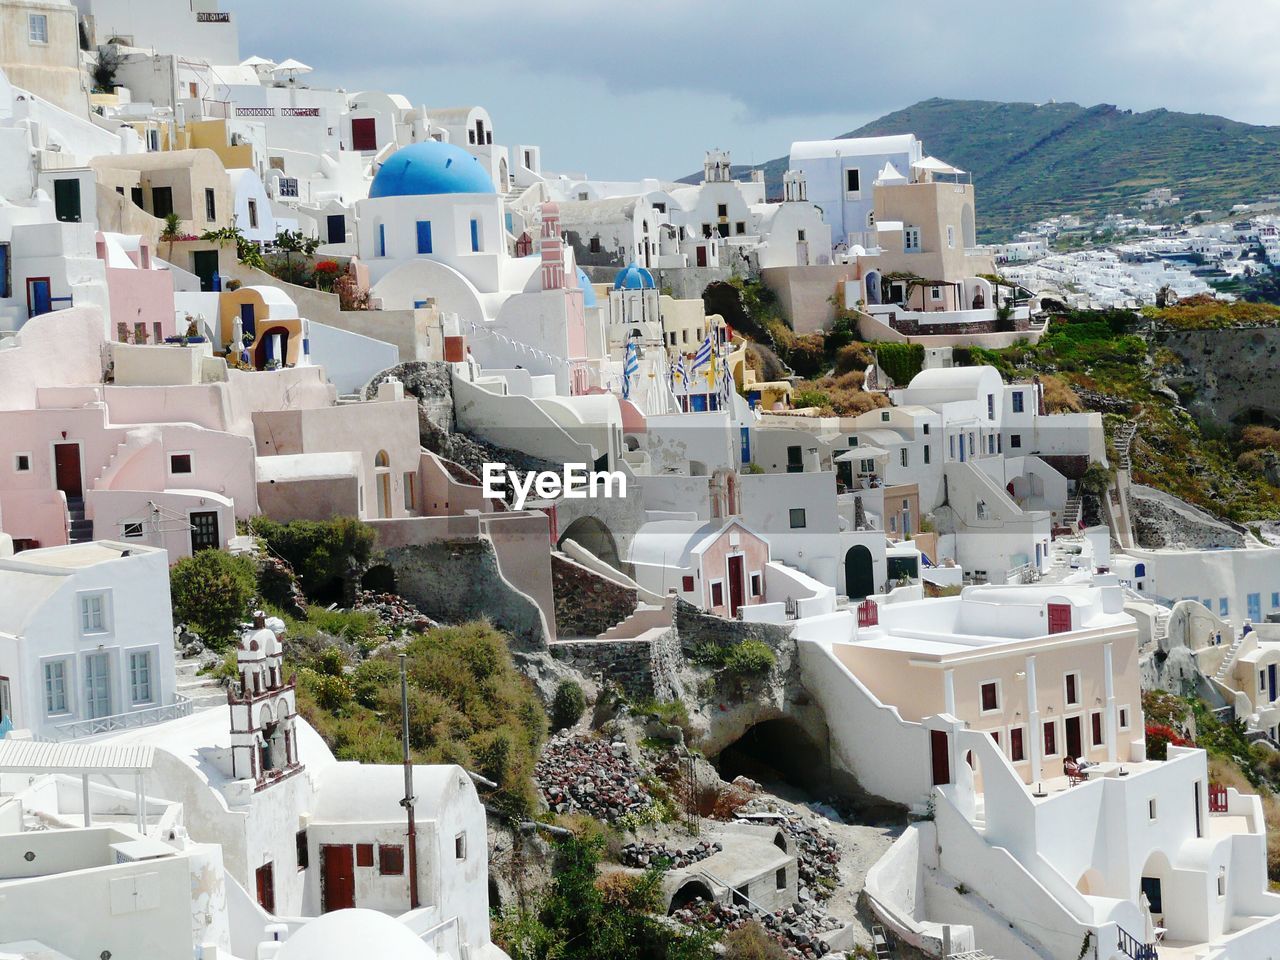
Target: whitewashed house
{"x": 86, "y": 642}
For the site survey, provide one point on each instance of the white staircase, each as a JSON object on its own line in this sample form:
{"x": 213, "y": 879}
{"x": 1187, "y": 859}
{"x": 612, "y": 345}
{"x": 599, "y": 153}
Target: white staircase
{"x": 1229, "y": 659}
{"x": 1162, "y": 623}
{"x": 203, "y": 691}
{"x": 1071, "y": 513}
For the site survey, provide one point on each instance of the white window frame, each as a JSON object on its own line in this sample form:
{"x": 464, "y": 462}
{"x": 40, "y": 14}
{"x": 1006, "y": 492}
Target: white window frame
{"x": 756, "y": 581}
{"x": 83, "y": 600}
{"x": 40, "y": 36}
{"x": 1102, "y": 728}
{"x": 904, "y": 457}
{"x": 126, "y": 524}
{"x": 67, "y": 686}
{"x": 1123, "y": 716}
{"x": 711, "y": 593}
{"x": 1153, "y": 809}
{"x": 168, "y": 466}
{"x": 999, "y": 707}
{"x": 951, "y": 237}
{"x": 460, "y": 846}
{"x": 1079, "y": 680}
{"x": 150, "y": 654}
{"x": 30, "y": 461}
{"x": 1058, "y": 745}
{"x": 910, "y": 239}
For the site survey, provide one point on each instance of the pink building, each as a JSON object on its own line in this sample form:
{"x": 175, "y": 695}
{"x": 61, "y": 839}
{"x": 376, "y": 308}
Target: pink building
{"x": 139, "y": 291}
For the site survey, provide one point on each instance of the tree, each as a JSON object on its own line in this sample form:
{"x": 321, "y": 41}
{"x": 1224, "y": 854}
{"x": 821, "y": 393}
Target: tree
{"x": 567, "y": 705}
{"x": 290, "y": 242}
{"x": 327, "y": 555}
{"x": 172, "y": 231}
{"x": 247, "y": 252}
{"x": 211, "y": 592}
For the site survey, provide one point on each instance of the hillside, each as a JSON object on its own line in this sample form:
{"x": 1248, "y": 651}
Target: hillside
{"x": 1030, "y": 162}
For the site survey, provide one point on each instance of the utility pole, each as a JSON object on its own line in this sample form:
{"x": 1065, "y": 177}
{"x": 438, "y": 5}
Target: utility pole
{"x": 409, "y": 798}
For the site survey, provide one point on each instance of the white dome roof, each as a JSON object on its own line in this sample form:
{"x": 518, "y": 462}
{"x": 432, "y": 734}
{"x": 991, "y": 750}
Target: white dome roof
{"x": 353, "y": 935}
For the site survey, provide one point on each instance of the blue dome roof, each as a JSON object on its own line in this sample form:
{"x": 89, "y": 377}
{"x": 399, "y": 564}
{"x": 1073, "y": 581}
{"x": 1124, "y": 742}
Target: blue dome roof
{"x": 588, "y": 291}
{"x": 429, "y": 168}
{"x": 635, "y": 277}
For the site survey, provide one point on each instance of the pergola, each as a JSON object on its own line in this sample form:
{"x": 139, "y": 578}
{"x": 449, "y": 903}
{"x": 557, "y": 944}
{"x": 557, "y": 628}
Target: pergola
{"x": 82, "y": 760}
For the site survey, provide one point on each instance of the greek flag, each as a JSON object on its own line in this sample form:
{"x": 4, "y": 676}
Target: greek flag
{"x": 726, "y": 384}
{"x": 630, "y": 367}
{"x": 682, "y": 373}
{"x": 703, "y": 356}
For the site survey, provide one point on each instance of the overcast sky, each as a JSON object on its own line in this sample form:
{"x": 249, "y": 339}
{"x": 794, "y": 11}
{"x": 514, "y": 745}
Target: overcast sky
{"x": 630, "y": 88}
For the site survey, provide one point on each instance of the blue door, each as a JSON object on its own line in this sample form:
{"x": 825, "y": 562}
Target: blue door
{"x": 247, "y": 318}
{"x": 1271, "y": 682}
{"x": 746, "y": 444}
{"x": 1255, "y": 607}
{"x": 39, "y": 296}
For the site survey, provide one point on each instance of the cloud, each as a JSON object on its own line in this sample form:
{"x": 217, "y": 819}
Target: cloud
{"x": 631, "y": 88}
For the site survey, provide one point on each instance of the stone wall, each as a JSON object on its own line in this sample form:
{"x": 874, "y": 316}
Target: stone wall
{"x": 697, "y": 629}
{"x": 1222, "y": 375}
{"x": 625, "y": 662}
{"x": 1162, "y": 520}
{"x": 1070, "y": 466}
{"x": 457, "y": 580}
{"x": 586, "y": 603}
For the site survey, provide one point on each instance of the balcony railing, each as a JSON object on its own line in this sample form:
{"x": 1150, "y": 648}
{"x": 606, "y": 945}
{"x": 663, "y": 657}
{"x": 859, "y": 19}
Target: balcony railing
{"x": 181, "y": 707}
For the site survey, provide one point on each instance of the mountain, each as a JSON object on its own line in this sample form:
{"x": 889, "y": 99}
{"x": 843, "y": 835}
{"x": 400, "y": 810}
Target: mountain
{"x": 1033, "y": 161}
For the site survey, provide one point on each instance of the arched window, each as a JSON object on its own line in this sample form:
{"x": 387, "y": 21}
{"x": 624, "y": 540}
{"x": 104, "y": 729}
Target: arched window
{"x": 382, "y": 481}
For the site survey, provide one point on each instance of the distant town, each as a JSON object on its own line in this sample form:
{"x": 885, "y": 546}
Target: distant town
{"x": 411, "y": 552}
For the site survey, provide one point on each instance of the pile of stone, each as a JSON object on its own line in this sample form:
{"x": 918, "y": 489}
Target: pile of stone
{"x": 581, "y": 775}
{"x": 644, "y": 855}
{"x": 394, "y": 611}
{"x": 798, "y": 930}
{"x": 817, "y": 853}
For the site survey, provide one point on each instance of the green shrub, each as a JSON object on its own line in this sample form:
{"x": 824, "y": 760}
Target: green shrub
{"x": 901, "y": 361}
{"x": 325, "y": 554}
{"x": 567, "y": 705}
{"x": 212, "y": 591}
{"x": 751, "y": 942}
{"x": 809, "y": 398}
{"x": 749, "y": 657}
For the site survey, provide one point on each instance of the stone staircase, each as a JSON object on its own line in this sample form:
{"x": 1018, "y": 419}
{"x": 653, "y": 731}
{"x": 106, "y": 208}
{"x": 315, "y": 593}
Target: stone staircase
{"x": 1124, "y": 444}
{"x": 645, "y": 617}
{"x": 1229, "y": 659}
{"x": 1072, "y": 510}
{"x": 1162, "y": 623}
{"x": 204, "y": 692}
{"x": 80, "y": 530}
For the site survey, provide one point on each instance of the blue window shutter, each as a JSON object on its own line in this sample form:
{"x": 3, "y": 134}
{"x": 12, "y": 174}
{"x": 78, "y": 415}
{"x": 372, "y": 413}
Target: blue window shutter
{"x": 475, "y": 236}
{"x": 382, "y": 239}
{"x": 424, "y": 236}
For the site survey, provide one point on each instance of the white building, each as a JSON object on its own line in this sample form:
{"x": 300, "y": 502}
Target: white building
{"x": 86, "y": 642}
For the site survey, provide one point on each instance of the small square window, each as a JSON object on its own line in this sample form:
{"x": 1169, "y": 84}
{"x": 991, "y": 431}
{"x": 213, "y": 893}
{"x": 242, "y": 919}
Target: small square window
{"x": 884, "y": 416}
{"x": 300, "y": 848}
{"x": 925, "y": 429}
{"x": 797, "y": 518}
{"x": 93, "y": 613}
{"x": 740, "y": 227}
{"x": 717, "y": 594}
{"x": 460, "y": 847}
{"x": 756, "y": 587}
{"x": 722, "y": 209}
{"x": 132, "y": 529}
{"x": 1124, "y": 718}
{"x": 780, "y": 878}
{"x": 22, "y": 462}
{"x": 1015, "y": 441}
{"x": 852, "y": 180}
{"x": 800, "y": 236}
{"x": 364, "y": 854}
{"x": 686, "y": 584}
{"x": 990, "y": 696}
{"x": 38, "y": 27}
{"x": 180, "y": 463}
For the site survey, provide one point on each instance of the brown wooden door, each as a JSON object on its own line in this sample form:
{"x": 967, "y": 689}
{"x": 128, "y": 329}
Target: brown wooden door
{"x": 66, "y": 469}
{"x": 364, "y": 135}
{"x": 1075, "y": 740}
{"x": 267, "y": 888}
{"x": 337, "y": 877}
{"x": 939, "y": 748}
{"x": 736, "y": 585}
{"x": 702, "y": 256}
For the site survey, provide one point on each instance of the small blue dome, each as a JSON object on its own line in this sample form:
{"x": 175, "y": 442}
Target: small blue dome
{"x": 429, "y": 168}
{"x": 588, "y": 291}
{"x": 635, "y": 277}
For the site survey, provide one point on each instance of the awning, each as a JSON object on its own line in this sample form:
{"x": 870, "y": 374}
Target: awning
{"x": 861, "y": 453}
{"x": 934, "y": 165}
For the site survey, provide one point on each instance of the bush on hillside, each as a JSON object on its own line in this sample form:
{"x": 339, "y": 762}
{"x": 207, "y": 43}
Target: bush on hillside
{"x": 211, "y": 591}
{"x": 325, "y": 554}
{"x": 567, "y": 705}
{"x": 901, "y": 361}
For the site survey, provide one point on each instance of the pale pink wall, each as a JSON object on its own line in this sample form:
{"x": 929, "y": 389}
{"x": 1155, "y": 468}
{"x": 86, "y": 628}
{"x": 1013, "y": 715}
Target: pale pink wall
{"x": 441, "y": 495}
{"x": 34, "y": 515}
{"x": 575, "y": 323}
{"x": 715, "y": 567}
{"x": 141, "y": 296}
{"x": 111, "y": 508}
{"x": 205, "y": 404}
{"x": 311, "y": 499}
{"x": 64, "y": 347}
{"x": 221, "y": 463}
{"x": 633, "y": 420}
{"x": 34, "y": 432}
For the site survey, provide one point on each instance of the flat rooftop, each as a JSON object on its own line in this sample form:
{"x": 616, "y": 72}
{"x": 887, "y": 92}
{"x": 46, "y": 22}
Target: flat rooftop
{"x": 74, "y": 556}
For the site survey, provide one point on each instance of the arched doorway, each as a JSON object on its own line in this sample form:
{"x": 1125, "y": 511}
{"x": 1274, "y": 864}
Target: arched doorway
{"x": 1151, "y": 885}
{"x": 380, "y": 578}
{"x": 594, "y": 537}
{"x": 690, "y": 892}
{"x": 776, "y": 751}
{"x": 273, "y": 344}
{"x": 873, "y": 286}
{"x": 382, "y": 481}
{"x": 859, "y": 573}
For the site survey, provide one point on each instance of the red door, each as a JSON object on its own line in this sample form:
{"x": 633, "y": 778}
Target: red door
{"x": 702, "y": 256}
{"x": 267, "y": 888}
{"x": 940, "y": 748}
{"x": 737, "y": 585}
{"x": 66, "y": 469}
{"x": 1075, "y": 741}
{"x": 364, "y": 134}
{"x": 337, "y": 877}
{"x": 1059, "y": 618}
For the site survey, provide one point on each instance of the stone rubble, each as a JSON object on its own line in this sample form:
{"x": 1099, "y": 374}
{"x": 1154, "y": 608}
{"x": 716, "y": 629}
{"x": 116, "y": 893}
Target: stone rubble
{"x": 597, "y": 777}
{"x": 394, "y": 611}
{"x": 644, "y": 855}
{"x": 797, "y": 929}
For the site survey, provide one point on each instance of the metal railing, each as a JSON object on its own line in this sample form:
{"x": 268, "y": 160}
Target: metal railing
{"x": 1134, "y": 948}
{"x": 181, "y": 707}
